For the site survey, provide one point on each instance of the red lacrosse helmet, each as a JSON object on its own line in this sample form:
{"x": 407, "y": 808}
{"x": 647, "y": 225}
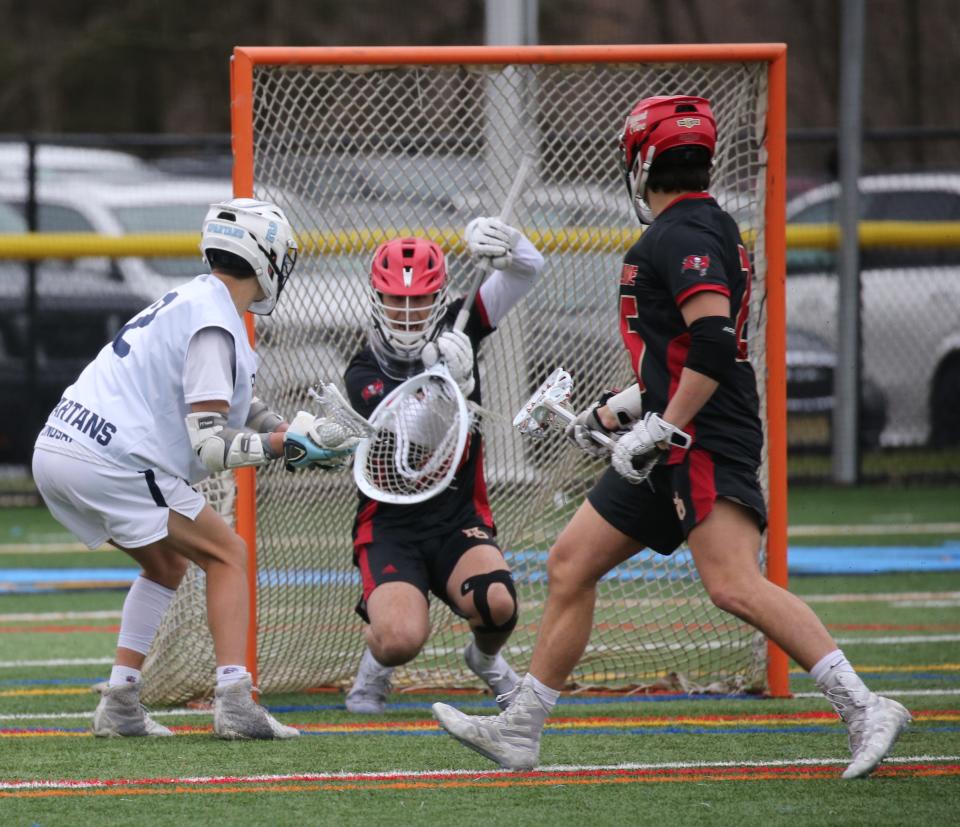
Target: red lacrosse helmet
{"x": 655, "y": 125}
{"x": 406, "y": 268}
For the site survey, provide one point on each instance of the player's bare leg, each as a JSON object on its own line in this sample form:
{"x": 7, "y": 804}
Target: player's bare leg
{"x": 725, "y": 549}
{"x": 478, "y": 568}
{"x": 119, "y": 711}
{"x": 399, "y": 627}
{"x": 585, "y": 550}
{"x": 222, "y": 554}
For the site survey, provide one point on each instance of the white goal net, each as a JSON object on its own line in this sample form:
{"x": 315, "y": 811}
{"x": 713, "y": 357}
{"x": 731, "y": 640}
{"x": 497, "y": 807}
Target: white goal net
{"x": 360, "y": 154}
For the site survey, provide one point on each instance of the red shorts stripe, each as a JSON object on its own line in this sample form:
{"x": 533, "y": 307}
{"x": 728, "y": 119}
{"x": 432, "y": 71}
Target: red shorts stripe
{"x": 366, "y": 576}
{"x": 703, "y": 489}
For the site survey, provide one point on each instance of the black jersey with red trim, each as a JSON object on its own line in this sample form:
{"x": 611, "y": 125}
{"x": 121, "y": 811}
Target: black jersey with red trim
{"x": 466, "y": 497}
{"x": 693, "y": 245}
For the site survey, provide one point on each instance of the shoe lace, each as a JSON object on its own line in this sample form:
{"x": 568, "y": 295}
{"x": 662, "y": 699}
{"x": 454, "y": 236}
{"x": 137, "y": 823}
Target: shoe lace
{"x": 509, "y": 696}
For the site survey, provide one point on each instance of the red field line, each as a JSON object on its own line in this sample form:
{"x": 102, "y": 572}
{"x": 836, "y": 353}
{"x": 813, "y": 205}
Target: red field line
{"x": 168, "y": 786}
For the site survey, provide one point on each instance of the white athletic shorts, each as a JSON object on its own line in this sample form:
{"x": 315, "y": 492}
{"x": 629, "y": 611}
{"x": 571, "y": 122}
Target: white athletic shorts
{"x": 102, "y": 502}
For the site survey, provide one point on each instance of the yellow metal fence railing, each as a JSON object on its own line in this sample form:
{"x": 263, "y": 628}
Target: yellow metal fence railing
{"x": 873, "y": 234}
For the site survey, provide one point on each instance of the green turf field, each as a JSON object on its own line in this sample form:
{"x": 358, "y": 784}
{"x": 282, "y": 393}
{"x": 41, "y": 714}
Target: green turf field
{"x": 606, "y": 759}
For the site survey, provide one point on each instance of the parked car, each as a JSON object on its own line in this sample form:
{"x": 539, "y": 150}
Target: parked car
{"x": 811, "y": 364}
{"x": 910, "y": 303}
{"x": 54, "y": 162}
{"x": 163, "y": 204}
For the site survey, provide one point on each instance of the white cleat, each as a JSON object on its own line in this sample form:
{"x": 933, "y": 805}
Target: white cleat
{"x": 368, "y": 695}
{"x": 236, "y": 716}
{"x": 120, "y": 714}
{"x": 500, "y": 677}
{"x": 873, "y": 730}
{"x": 510, "y": 739}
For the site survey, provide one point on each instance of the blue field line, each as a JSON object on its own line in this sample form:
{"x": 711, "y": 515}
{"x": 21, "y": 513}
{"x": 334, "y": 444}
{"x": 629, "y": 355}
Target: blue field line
{"x": 530, "y": 567}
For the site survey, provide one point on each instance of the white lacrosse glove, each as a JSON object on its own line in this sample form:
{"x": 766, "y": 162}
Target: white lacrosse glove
{"x": 491, "y": 238}
{"x": 315, "y": 441}
{"x": 454, "y": 349}
{"x": 639, "y": 449}
{"x": 581, "y": 430}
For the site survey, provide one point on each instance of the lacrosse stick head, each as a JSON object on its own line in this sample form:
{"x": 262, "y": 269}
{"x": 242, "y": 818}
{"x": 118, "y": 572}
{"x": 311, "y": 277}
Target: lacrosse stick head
{"x": 549, "y": 401}
{"x": 419, "y": 432}
{"x": 342, "y": 420}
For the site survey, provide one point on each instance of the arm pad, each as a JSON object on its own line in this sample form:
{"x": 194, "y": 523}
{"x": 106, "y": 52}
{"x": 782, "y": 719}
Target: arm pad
{"x": 261, "y": 419}
{"x": 713, "y": 347}
{"x": 220, "y": 447}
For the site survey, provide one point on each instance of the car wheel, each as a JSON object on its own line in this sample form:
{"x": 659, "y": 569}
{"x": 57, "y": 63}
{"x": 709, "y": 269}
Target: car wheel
{"x": 945, "y": 404}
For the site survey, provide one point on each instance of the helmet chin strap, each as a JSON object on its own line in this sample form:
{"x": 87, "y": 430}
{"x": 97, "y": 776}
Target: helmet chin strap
{"x": 640, "y": 205}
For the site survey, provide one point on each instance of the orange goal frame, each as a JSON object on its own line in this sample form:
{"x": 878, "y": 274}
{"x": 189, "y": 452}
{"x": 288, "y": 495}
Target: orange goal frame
{"x": 242, "y": 65}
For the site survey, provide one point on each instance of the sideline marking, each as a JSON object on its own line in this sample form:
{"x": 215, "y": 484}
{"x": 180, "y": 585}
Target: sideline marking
{"x": 17, "y": 664}
{"x": 800, "y": 769}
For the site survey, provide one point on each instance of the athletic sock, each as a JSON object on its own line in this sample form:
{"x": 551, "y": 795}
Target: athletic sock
{"x": 547, "y": 696}
{"x": 124, "y": 675}
{"x": 839, "y": 682}
{"x": 481, "y": 658}
{"x": 231, "y": 673}
{"x": 143, "y": 609}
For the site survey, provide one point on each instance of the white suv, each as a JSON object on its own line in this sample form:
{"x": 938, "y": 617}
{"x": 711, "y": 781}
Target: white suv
{"x": 910, "y": 300}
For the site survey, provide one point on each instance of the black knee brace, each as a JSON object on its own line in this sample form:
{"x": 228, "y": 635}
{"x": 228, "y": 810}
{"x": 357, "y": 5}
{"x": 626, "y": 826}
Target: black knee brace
{"x": 479, "y": 586}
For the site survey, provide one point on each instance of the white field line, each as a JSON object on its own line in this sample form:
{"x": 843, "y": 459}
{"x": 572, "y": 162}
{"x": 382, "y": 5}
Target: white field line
{"x": 17, "y": 664}
{"x": 862, "y": 529}
{"x": 65, "y": 716}
{"x": 894, "y": 641}
{"x": 91, "y": 615}
{"x": 68, "y": 783}
{"x": 872, "y": 529}
{"x": 880, "y": 597}
{"x": 903, "y": 693}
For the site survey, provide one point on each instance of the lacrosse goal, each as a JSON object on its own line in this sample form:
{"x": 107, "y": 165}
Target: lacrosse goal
{"x": 359, "y": 145}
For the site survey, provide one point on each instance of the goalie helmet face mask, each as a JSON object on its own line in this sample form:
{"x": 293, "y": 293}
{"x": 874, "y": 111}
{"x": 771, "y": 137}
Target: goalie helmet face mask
{"x": 408, "y": 299}
{"x": 655, "y": 125}
{"x": 258, "y": 233}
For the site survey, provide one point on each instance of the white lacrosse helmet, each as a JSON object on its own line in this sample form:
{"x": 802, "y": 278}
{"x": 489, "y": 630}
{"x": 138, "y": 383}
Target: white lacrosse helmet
{"x": 405, "y": 268}
{"x": 258, "y": 233}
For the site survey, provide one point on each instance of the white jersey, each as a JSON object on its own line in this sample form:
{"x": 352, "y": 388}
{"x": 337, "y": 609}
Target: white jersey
{"x": 127, "y": 407}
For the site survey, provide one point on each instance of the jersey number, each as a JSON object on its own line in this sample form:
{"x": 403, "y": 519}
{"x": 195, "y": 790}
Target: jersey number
{"x": 121, "y": 347}
{"x": 631, "y": 336}
{"x": 743, "y": 313}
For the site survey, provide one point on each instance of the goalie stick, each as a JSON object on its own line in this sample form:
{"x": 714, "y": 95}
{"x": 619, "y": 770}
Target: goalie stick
{"x": 420, "y": 429}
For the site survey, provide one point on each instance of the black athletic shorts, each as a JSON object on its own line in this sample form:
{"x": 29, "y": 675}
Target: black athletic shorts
{"x": 424, "y": 562}
{"x": 662, "y": 511}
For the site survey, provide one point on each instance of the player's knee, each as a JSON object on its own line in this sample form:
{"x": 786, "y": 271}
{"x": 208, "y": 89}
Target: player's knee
{"x": 230, "y": 551}
{"x": 167, "y": 569}
{"x": 732, "y": 597}
{"x": 565, "y": 570}
{"x": 494, "y": 600}
{"x": 396, "y": 646}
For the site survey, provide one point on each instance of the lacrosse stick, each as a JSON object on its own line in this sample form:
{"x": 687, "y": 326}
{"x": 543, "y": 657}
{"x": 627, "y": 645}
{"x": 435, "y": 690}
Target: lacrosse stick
{"x": 549, "y": 404}
{"x": 420, "y": 429}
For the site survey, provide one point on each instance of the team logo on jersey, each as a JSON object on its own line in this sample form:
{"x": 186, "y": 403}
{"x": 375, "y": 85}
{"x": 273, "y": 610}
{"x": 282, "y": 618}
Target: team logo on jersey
{"x": 699, "y": 264}
{"x": 689, "y": 123}
{"x": 476, "y": 533}
{"x": 628, "y": 275}
{"x": 375, "y": 388}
